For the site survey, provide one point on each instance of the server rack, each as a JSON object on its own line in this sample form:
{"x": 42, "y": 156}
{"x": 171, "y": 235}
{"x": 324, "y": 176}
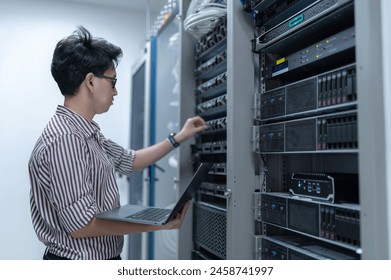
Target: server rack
{"x": 139, "y": 182}
{"x": 167, "y": 110}
{"x": 306, "y": 130}
{"x": 209, "y": 216}
{"x": 247, "y": 175}
{"x": 222, "y": 226}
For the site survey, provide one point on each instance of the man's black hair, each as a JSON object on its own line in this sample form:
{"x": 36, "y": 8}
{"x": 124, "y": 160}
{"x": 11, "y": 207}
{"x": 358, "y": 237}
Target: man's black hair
{"x": 79, "y": 54}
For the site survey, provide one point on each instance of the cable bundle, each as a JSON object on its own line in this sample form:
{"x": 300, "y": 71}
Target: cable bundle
{"x": 202, "y": 16}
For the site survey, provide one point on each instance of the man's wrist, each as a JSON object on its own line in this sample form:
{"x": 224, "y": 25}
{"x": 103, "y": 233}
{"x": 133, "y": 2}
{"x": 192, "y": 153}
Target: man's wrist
{"x": 172, "y": 140}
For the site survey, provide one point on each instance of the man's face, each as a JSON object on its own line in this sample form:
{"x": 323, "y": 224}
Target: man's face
{"x": 103, "y": 96}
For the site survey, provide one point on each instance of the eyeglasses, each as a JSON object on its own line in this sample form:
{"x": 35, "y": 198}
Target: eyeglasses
{"x": 113, "y": 80}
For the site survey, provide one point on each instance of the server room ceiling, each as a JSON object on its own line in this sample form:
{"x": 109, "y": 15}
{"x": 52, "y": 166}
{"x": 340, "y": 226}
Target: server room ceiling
{"x": 138, "y": 5}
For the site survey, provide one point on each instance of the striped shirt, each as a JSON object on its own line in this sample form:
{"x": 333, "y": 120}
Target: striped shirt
{"x": 72, "y": 175}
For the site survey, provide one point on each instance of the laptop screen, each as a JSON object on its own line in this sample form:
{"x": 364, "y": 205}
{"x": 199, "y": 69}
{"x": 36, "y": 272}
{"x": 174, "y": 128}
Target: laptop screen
{"x": 198, "y": 177}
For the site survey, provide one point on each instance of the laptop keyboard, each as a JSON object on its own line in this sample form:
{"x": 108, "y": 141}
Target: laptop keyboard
{"x": 151, "y": 214}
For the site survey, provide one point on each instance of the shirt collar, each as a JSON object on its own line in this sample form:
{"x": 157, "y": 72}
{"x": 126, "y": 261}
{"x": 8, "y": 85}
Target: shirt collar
{"x": 85, "y": 126}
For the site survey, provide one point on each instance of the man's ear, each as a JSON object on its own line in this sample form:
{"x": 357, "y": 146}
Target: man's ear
{"x": 89, "y": 81}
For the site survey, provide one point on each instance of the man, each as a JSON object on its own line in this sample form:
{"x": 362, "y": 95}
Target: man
{"x": 72, "y": 166}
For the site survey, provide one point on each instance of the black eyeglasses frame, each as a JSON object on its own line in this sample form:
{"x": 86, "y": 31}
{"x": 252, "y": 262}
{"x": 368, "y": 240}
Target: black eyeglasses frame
{"x": 113, "y": 80}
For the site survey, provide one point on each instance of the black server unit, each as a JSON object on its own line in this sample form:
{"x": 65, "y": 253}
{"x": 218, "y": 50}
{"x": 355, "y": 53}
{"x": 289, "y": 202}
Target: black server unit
{"x": 209, "y": 215}
{"x": 305, "y": 130}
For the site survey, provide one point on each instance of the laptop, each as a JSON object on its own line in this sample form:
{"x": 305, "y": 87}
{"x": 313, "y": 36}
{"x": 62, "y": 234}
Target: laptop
{"x": 153, "y": 215}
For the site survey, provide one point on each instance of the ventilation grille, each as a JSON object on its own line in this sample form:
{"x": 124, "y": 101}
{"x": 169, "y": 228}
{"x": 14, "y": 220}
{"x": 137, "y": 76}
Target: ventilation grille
{"x": 209, "y": 229}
